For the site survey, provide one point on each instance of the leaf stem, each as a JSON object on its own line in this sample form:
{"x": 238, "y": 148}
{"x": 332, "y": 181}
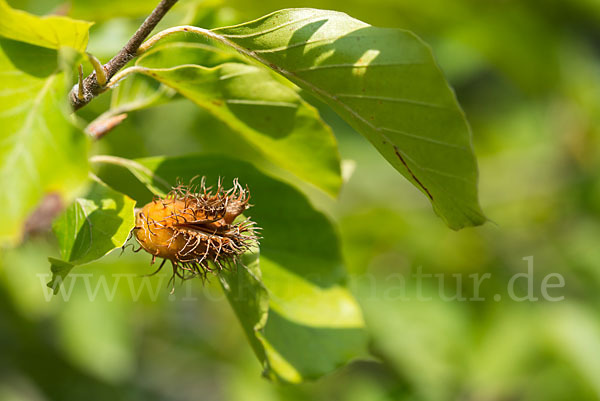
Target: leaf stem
{"x": 122, "y": 74}
{"x": 135, "y": 167}
{"x": 193, "y": 29}
{"x": 91, "y": 86}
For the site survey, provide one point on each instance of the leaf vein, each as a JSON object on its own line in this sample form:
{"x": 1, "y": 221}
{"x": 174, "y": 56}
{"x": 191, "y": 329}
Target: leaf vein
{"x": 424, "y": 138}
{"x": 259, "y": 33}
{"x": 392, "y": 100}
{"x": 262, "y": 103}
{"x": 352, "y": 66}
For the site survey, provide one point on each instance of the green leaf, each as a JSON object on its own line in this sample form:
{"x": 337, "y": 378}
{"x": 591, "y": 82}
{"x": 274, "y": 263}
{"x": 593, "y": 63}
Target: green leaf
{"x": 91, "y": 227}
{"x": 137, "y": 93}
{"x": 140, "y": 91}
{"x": 386, "y": 84}
{"x": 52, "y": 32}
{"x": 60, "y": 270}
{"x": 314, "y": 325}
{"x": 180, "y": 52}
{"x": 249, "y": 299}
{"x": 94, "y": 225}
{"x": 41, "y": 151}
{"x": 268, "y": 114}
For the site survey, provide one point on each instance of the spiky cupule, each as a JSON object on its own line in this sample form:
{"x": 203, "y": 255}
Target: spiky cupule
{"x": 195, "y": 228}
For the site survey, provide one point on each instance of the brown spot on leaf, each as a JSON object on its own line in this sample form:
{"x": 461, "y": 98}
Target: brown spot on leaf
{"x": 41, "y": 219}
{"x": 399, "y": 155}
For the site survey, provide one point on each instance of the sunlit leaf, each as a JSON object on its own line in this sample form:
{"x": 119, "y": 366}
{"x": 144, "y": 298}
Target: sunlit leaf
{"x": 386, "y": 84}
{"x": 52, "y": 31}
{"x": 186, "y": 50}
{"x": 91, "y": 227}
{"x": 314, "y": 325}
{"x": 268, "y": 114}
{"x": 140, "y": 91}
{"x": 41, "y": 151}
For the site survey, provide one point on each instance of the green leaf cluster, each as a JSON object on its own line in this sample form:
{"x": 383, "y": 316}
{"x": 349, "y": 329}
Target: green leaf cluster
{"x": 92, "y": 226}
{"x": 41, "y": 149}
{"x": 259, "y": 80}
{"x": 291, "y": 301}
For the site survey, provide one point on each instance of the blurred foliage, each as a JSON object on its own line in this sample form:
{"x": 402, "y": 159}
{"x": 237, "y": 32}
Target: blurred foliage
{"x": 32, "y": 108}
{"x": 528, "y": 76}
{"x": 300, "y": 319}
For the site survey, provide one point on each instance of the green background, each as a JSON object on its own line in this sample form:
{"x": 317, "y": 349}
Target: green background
{"x": 527, "y": 75}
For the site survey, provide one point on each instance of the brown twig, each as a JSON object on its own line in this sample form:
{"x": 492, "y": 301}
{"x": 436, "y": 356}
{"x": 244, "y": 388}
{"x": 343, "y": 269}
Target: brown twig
{"x": 91, "y": 87}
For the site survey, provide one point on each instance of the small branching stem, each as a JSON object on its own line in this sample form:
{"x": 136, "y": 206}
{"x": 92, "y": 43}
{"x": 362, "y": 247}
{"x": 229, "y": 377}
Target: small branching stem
{"x": 176, "y": 29}
{"x": 170, "y": 31}
{"x": 198, "y": 31}
{"x": 121, "y": 75}
{"x": 91, "y": 85}
{"x": 147, "y": 45}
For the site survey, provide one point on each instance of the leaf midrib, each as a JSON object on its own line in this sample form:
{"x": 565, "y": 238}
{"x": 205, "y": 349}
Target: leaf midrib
{"x": 23, "y": 135}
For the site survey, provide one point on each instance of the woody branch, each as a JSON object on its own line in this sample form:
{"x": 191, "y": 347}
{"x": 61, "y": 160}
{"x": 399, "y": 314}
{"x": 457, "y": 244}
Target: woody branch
{"x": 94, "y": 84}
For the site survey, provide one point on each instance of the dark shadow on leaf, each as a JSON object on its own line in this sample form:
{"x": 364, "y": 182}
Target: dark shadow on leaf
{"x": 295, "y": 235}
{"x": 401, "y": 103}
{"x": 313, "y": 350}
{"x": 32, "y": 60}
{"x": 305, "y": 33}
{"x": 258, "y": 100}
{"x": 94, "y": 238}
{"x": 274, "y": 121}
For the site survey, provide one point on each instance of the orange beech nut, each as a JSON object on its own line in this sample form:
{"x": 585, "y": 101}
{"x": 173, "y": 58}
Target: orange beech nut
{"x": 195, "y": 228}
